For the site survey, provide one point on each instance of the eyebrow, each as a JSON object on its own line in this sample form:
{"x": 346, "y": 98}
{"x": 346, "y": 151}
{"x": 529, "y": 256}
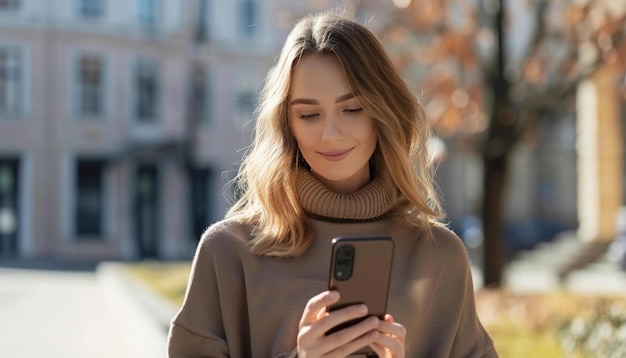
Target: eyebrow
{"x": 339, "y": 99}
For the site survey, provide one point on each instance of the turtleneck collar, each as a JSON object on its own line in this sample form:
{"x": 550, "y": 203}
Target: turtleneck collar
{"x": 372, "y": 201}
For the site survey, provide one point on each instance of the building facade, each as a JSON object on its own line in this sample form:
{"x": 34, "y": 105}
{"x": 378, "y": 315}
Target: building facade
{"x": 121, "y": 122}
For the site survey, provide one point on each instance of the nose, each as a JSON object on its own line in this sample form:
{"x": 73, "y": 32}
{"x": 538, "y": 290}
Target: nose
{"x": 332, "y": 130}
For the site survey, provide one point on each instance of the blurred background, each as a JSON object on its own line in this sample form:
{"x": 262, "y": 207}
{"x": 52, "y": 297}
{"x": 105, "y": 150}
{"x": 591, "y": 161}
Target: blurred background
{"x": 121, "y": 123}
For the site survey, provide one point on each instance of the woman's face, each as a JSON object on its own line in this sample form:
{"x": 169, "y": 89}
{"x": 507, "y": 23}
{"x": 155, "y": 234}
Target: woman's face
{"x": 334, "y": 135}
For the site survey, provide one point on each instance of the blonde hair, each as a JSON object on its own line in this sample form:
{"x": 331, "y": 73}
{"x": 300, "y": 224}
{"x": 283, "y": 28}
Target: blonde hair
{"x": 267, "y": 176}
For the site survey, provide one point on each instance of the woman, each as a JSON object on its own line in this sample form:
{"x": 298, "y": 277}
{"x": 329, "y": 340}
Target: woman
{"x": 339, "y": 150}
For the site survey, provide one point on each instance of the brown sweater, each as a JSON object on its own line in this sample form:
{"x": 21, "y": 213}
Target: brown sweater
{"x": 241, "y": 305}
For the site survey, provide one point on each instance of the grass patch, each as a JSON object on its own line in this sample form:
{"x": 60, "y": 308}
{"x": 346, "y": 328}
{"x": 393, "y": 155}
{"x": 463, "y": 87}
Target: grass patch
{"x": 534, "y": 325}
{"x": 167, "y": 279}
{"x": 512, "y": 341}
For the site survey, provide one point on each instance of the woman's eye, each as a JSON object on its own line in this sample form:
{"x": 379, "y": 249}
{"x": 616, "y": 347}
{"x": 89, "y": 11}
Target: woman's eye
{"x": 354, "y": 110}
{"x": 308, "y": 116}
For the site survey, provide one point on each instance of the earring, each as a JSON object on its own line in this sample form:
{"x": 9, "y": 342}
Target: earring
{"x": 297, "y": 158}
{"x": 301, "y": 162}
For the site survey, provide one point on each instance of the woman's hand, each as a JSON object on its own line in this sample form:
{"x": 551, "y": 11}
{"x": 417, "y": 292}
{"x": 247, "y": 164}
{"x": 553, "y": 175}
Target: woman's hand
{"x": 315, "y": 321}
{"x": 390, "y": 344}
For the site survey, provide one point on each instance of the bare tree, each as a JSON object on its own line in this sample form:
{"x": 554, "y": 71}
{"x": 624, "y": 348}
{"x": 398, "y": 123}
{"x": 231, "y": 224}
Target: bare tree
{"x": 467, "y": 92}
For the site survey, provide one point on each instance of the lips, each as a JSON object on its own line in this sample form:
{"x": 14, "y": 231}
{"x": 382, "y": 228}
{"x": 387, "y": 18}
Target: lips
{"x": 337, "y": 155}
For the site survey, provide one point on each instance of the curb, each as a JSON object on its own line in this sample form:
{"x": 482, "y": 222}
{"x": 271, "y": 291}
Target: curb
{"x": 566, "y": 264}
{"x": 142, "y": 316}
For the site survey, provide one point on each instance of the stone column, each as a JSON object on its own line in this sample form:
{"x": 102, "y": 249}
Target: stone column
{"x": 600, "y": 156}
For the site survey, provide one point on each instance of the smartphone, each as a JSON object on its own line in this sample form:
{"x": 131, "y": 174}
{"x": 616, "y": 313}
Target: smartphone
{"x": 360, "y": 270}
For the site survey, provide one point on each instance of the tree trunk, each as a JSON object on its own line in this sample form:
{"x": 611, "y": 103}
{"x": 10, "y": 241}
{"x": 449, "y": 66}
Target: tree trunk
{"x": 494, "y": 181}
{"x": 500, "y": 138}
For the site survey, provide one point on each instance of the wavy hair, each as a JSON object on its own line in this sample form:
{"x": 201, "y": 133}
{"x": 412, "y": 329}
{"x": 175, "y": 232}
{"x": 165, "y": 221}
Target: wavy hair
{"x": 267, "y": 177}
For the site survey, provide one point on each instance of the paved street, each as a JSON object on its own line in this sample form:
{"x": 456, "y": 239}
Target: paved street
{"x": 56, "y": 314}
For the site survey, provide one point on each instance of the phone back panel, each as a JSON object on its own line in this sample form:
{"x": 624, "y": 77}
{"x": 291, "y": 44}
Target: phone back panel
{"x": 371, "y": 270}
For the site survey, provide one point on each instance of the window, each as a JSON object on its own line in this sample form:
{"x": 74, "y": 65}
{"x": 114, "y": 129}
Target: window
{"x": 10, "y": 81}
{"x": 90, "y": 86}
{"x": 146, "y": 210}
{"x": 147, "y": 92}
{"x": 245, "y": 98}
{"x": 89, "y": 198}
{"x": 247, "y": 17}
{"x": 199, "y": 95}
{"x": 9, "y": 221}
{"x": 201, "y": 33}
{"x": 9, "y": 4}
{"x": 245, "y": 105}
{"x": 147, "y": 14}
{"x": 200, "y": 199}
{"x": 91, "y": 8}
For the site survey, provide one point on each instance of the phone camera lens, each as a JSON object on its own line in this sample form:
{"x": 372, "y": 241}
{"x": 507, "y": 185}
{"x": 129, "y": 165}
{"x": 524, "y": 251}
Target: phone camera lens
{"x": 344, "y": 262}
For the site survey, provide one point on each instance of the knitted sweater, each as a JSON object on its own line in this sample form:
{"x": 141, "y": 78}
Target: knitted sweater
{"x": 241, "y": 305}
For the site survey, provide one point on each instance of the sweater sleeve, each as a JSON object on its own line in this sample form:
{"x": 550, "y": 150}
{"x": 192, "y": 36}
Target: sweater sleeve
{"x": 471, "y": 339}
{"x": 185, "y": 343}
{"x": 198, "y": 330}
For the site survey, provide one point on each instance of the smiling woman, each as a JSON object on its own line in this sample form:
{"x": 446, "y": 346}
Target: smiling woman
{"x": 340, "y": 149}
{"x": 335, "y": 136}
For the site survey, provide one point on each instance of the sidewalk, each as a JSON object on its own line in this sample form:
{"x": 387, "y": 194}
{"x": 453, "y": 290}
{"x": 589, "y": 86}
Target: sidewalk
{"x": 568, "y": 264}
{"x": 56, "y": 311}
{"x": 143, "y": 316}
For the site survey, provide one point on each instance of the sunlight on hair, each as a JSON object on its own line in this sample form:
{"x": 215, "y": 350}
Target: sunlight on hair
{"x": 402, "y": 3}
{"x": 436, "y": 149}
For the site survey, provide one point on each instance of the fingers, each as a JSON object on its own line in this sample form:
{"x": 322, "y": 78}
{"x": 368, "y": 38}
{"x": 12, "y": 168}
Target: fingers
{"x": 316, "y": 321}
{"x": 316, "y": 306}
{"x": 391, "y": 340}
{"x": 329, "y": 320}
{"x": 390, "y": 328}
{"x": 349, "y": 340}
